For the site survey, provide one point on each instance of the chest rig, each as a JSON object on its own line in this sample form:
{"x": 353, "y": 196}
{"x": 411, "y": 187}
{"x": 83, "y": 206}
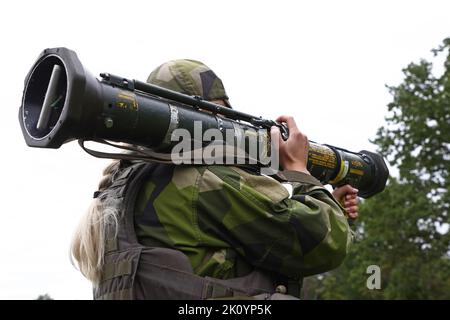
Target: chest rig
{"x": 134, "y": 271}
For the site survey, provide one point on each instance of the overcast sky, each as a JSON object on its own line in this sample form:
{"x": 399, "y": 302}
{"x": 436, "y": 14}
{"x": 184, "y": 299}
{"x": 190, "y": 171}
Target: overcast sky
{"x": 324, "y": 62}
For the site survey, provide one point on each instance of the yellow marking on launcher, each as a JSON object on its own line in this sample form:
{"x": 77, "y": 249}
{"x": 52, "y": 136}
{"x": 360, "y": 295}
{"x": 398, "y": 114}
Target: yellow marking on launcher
{"x": 357, "y": 171}
{"x": 130, "y": 98}
{"x": 342, "y": 172}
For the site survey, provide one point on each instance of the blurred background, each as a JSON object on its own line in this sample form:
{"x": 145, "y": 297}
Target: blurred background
{"x": 368, "y": 75}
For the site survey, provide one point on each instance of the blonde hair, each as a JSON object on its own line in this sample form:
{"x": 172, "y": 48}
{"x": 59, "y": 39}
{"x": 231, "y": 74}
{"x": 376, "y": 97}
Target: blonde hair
{"x": 88, "y": 244}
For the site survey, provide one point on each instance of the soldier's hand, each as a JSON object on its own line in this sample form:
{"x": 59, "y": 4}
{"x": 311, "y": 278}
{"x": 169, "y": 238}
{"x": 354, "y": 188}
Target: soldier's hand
{"x": 294, "y": 151}
{"x": 347, "y": 196}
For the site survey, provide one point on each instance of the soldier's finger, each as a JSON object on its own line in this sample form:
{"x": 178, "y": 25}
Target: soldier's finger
{"x": 351, "y": 195}
{"x": 353, "y": 215}
{"x": 292, "y": 126}
{"x": 352, "y": 202}
{"x": 342, "y": 191}
{"x": 275, "y": 135}
{"x": 351, "y": 209}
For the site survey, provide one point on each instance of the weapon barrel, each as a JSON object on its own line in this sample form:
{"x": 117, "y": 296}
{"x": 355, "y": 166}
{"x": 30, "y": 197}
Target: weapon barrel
{"x": 62, "y": 102}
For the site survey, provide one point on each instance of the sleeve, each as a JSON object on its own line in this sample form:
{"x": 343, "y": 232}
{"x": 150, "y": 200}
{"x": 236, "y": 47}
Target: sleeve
{"x": 299, "y": 236}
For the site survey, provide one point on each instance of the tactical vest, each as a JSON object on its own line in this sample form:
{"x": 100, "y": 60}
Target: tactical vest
{"x": 134, "y": 271}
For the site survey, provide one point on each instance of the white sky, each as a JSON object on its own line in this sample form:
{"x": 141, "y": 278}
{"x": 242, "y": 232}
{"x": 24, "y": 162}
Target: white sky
{"x": 324, "y": 62}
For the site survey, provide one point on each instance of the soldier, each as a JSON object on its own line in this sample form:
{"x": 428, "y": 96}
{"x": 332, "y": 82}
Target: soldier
{"x": 160, "y": 231}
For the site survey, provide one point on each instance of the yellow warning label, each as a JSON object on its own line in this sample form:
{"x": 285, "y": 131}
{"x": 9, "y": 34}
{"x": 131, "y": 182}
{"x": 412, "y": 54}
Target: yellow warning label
{"x": 357, "y": 164}
{"x": 357, "y": 171}
{"x": 323, "y": 157}
{"x": 126, "y": 100}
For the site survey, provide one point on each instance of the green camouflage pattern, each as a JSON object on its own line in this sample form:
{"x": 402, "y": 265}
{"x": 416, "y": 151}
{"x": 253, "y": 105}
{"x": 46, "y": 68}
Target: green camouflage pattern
{"x": 228, "y": 220}
{"x": 189, "y": 77}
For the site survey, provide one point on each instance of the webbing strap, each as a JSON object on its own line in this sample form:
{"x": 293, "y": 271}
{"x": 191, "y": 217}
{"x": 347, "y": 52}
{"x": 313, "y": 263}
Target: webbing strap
{"x": 296, "y": 176}
{"x": 136, "y": 154}
{"x": 125, "y": 294}
{"x": 110, "y": 245}
{"x": 116, "y": 269}
{"x": 155, "y": 277}
{"x": 214, "y": 290}
{"x": 148, "y": 155}
{"x": 294, "y": 287}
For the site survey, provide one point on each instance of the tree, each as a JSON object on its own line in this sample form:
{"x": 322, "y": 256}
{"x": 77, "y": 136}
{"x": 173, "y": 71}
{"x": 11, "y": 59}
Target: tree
{"x": 44, "y": 297}
{"x": 416, "y": 136}
{"x": 404, "y": 230}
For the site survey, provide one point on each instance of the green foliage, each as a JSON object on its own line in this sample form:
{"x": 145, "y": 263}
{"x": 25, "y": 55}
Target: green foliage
{"x": 416, "y": 137}
{"x": 44, "y": 297}
{"x": 412, "y": 257}
{"x": 400, "y": 230}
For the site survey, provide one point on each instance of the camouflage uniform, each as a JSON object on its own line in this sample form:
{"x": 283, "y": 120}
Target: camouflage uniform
{"x": 189, "y": 77}
{"x": 228, "y": 220}
{"x": 201, "y": 232}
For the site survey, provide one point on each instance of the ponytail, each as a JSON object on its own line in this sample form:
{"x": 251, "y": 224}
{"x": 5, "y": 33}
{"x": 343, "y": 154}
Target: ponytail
{"x": 88, "y": 243}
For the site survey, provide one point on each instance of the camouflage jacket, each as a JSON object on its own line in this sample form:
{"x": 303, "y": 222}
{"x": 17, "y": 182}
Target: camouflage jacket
{"x": 228, "y": 221}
